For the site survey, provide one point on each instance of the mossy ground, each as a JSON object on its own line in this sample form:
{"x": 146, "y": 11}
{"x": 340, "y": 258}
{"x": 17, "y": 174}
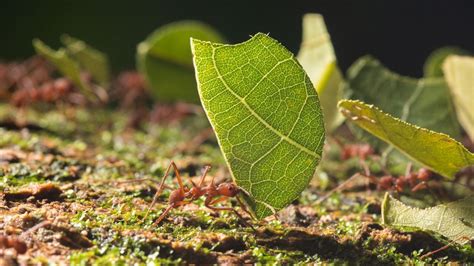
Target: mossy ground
{"x": 96, "y": 218}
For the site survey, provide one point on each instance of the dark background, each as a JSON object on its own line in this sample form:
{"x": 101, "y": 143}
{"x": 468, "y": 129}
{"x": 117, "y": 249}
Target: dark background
{"x": 399, "y": 33}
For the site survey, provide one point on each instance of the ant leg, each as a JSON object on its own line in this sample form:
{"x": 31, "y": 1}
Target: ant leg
{"x": 162, "y": 184}
{"x": 420, "y": 186}
{"x": 178, "y": 176}
{"x": 423, "y": 185}
{"x": 215, "y": 201}
{"x": 339, "y": 187}
{"x": 36, "y": 227}
{"x": 242, "y": 206}
{"x": 364, "y": 166}
{"x": 408, "y": 169}
{"x": 163, "y": 215}
{"x": 203, "y": 176}
{"x": 214, "y": 208}
{"x": 167, "y": 210}
{"x": 444, "y": 247}
{"x": 146, "y": 179}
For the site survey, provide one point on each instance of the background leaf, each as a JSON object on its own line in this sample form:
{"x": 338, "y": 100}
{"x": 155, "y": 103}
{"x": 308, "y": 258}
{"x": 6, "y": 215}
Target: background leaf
{"x": 422, "y": 102}
{"x": 266, "y": 114}
{"x": 453, "y": 220}
{"x": 90, "y": 59}
{"x": 165, "y": 60}
{"x": 436, "y": 151}
{"x": 66, "y": 65}
{"x": 433, "y": 66}
{"x": 459, "y": 73}
{"x": 318, "y": 59}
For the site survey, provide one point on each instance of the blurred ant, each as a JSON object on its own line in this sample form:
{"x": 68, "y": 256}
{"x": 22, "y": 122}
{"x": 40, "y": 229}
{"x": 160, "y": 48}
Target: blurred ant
{"x": 356, "y": 150}
{"x": 60, "y": 89}
{"x": 13, "y": 242}
{"x": 16, "y": 242}
{"x": 183, "y": 195}
{"x": 416, "y": 181}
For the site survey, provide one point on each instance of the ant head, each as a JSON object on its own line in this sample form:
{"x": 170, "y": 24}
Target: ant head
{"x": 228, "y": 189}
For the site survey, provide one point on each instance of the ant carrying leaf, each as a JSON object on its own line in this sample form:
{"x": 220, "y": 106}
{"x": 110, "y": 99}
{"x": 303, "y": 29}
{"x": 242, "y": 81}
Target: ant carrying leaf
{"x": 183, "y": 195}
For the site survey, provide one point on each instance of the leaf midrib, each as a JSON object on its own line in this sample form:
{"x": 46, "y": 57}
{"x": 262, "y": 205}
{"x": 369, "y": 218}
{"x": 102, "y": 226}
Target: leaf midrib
{"x": 259, "y": 118}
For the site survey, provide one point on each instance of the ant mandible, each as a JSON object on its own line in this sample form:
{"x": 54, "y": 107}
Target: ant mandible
{"x": 183, "y": 195}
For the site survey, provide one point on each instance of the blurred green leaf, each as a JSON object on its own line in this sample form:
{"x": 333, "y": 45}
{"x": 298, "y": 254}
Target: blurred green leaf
{"x": 165, "y": 60}
{"x": 266, "y": 115}
{"x": 66, "y": 65}
{"x": 422, "y": 102}
{"x": 318, "y": 59}
{"x": 453, "y": 220}
{"x": 90, "y": 59}
{"x": 459, "y": 73}
{"x": 434, "y": 63}
{"x": 436, "y": 151}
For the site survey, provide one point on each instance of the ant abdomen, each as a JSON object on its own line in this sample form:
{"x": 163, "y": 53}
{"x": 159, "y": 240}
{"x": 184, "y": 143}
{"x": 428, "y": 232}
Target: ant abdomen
{"x": 175, "y": 197}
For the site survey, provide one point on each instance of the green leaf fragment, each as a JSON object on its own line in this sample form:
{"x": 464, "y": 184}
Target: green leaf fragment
{"x": 318, "y": 59}
{"x": 434, "y": 63}
{"x": 165, "y": 60}
{"x": 266, "y": 115}
{"x": 436, "y": 151}
{"x": 90, "y": 59}
{"x": 459, "y": 73}
{"x": 454, "y": 220}
{"x": 66, "y": 65}
{"x": 422, "y": 102}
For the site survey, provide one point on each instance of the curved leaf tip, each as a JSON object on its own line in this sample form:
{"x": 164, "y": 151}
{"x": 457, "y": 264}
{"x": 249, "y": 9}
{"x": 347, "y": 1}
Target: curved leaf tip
{"x": 436, "y": 151}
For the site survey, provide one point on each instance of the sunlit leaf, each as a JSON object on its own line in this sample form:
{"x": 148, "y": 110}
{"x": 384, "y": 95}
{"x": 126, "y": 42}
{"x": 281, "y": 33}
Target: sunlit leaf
{"x": 266, "y": 115}
{"x": 453, "y": 220}
{"x": 318, "y": 59}
{"x": 434, "y": 62}
{"x": 165, "y": 60}
{"x": 459, "y": 73}
{"x": 422, "y": 102}
{"x": 66, "y": 65}
{"x": 436, "y": 151}
{"x": 90, "y": 59}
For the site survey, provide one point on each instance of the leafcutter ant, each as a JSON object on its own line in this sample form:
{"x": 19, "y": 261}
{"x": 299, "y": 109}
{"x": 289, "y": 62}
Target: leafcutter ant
{"x": 183, "y": 195}
{"x": 16, "y": 242}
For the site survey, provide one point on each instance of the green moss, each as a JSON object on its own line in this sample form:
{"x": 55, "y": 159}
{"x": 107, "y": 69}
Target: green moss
{"x": 89, "y": 152}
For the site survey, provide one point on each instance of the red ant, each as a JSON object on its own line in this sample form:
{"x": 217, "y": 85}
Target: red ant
{"x": 13, "y": 242}
{"x": 356, "y": 150}
{"x": 183, "y": 195}
{"x": 16, "y": 242}
{"x": 415, "y": 181}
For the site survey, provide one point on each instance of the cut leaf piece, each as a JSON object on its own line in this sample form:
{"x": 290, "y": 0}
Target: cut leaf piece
{"x": 90, "y": 59}
{"x": 165, "y": 60}
{"x": 66, "y": 65}
{"x": 318, "y": 59}
{"x": 453, "y": 220}
{"x": 434, "y": 62}
{"x": 459, "y": 73}
{"x": 436, "y": 151}
{"x": 423, "y": 102}
{"x": 266, "y": 115}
